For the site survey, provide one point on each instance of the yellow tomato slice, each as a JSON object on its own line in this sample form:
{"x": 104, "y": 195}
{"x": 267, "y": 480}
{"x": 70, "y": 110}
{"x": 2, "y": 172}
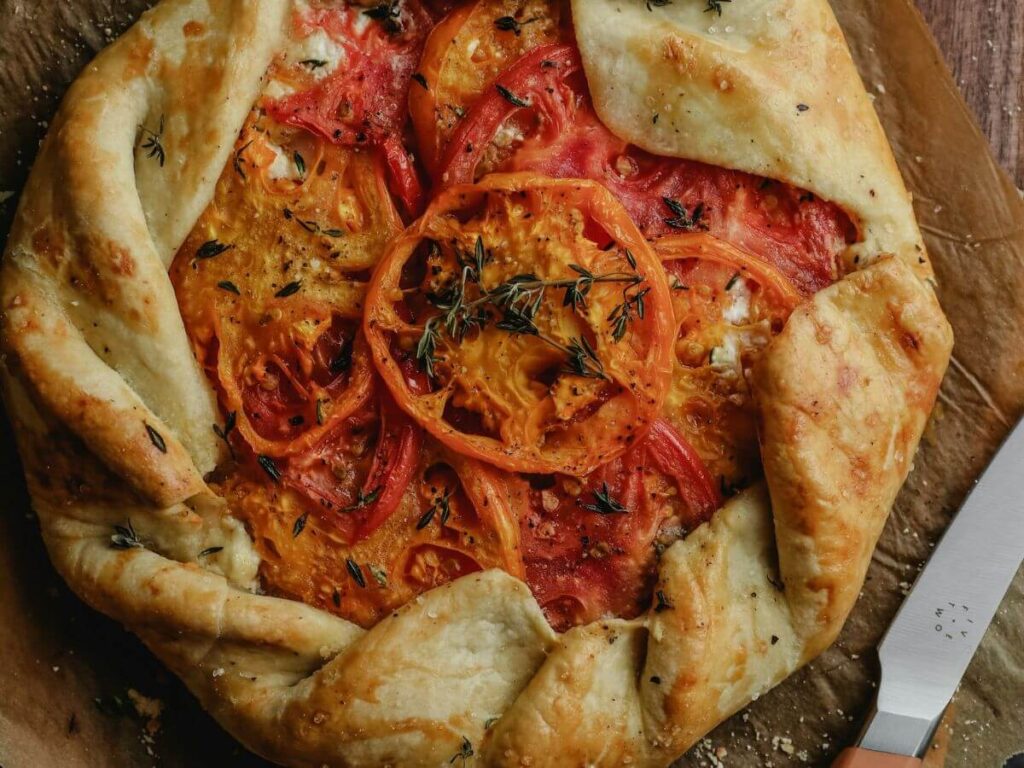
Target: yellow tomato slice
{"x": 463, "y": 55}
{"x": 525, "y": 322}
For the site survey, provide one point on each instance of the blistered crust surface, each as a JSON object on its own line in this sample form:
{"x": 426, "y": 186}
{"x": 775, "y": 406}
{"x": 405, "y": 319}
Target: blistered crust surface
{"x": 95, "y": 352}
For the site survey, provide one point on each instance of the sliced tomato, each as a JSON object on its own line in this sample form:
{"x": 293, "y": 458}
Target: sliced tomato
{"x": 452, "y": 517}
{"x": 590, "y": 545}
{"x": 728, "y": 304}
{"x": 543, "y": 100}
{"x": 540, "y": 317}
{"x": 327, "y": 474}
{"x": 362, "y": 103}
{"x": 463, "y": 55}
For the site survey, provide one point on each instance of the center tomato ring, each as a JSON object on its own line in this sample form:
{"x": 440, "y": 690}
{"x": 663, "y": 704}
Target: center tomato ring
{"x": 539, "y": 314}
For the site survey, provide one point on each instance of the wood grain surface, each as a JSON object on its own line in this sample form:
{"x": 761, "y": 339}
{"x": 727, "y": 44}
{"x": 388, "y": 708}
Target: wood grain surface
{"x": 983, "y": 43}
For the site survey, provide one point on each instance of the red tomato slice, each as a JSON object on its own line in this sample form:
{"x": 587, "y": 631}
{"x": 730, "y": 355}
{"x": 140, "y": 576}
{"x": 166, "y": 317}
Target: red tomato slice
{"x": 325, "y": 475}
{"x": 589, "y": 545}
{"x": 544, "y": 96}
{"x": 362, "y": 103}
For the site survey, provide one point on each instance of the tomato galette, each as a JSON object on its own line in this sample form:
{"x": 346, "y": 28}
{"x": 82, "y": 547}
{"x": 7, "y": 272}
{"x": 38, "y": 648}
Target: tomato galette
{"x": 496, "y": 382}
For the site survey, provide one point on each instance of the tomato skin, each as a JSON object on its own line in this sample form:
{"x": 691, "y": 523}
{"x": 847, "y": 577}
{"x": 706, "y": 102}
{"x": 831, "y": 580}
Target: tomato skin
{"x": 785, "y": 226}
{"x": 671, "y": 454}
{"x": 582, "y": 564}
{"x": 361, "y": 104}
{"x": 531, "y": 74}
{"x": 394, "y": 464}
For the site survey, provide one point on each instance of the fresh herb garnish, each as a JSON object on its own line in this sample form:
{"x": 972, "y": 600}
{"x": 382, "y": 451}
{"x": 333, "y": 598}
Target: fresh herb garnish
{"x": 212, "y": 248}
{"x": 519, "y": 300}
{"x": 682, "y": 220}
{"x": 465, "y": 751}
{"x": 313, "y": 63}
{"x": 583, "y": 360}
{"x": 605, "y": 503}
{"x": 662, "y": 603}
{"x": 631, "y": 307}
{"x": 289, "y": 290}
{"x": 154, "y": 142}
{"x": 300, "y": 164}
{"x": 388, "y": 14}
{"x": 156, "y": 439}
{"x": 732, "y": 281}
{"x": 125, "y": 537}
{"x": 510, "y": 97}
{"x": 237, "y": 161}
{"x": 210, "y": 551}
{"x": 511, "y": 24}
{"x": 300, "y": 524}
{"x": 419, "y": 78}
{"x": 313, "y": 227}
{"x": 222, "y": 433}
{"x": 652, "y": 4}
{"x": 227, "y": 285}
{"x": 441, "y": 506}
{"x": 269, "y": 467}
{"x": 364, "y": 499}
{"x": 715, "y": 6}
{"x": 355, "y": 572}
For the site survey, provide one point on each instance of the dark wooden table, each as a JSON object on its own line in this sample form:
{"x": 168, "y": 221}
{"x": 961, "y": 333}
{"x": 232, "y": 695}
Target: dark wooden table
{"x": 983, "y": 42}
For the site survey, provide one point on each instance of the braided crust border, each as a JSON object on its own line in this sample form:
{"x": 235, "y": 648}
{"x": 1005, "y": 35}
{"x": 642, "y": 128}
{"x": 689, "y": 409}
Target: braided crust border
{"x": 96, "y": 351}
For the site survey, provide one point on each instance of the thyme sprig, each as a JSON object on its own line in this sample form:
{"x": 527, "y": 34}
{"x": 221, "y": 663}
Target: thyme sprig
{"x": 605, "y": 503}
{"x": 441, "y": 508}
{"x": 389, "y": 14}
{"x": 715, "y": 6}
{"x": 512, "y": 24}
{"x": 154, "y": 142}
{"x": 515, "y": 304}
{"x": 364, "y": 499}
{"x": 681, "y": 219}
{"x": 125, "y": 537}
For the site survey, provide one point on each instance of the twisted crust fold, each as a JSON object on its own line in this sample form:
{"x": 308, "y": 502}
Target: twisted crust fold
{"x": 96, "y": 353}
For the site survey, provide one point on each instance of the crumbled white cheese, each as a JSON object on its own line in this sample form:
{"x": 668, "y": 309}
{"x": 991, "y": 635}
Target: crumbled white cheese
{"x": 507, "y": 135}
{"x": 471, "y": 46}
{"x": 738, "y": 311}
{"x": 317, "y": 46}
{"x": 727, "y": 356}
{"x": 283, "y": 166}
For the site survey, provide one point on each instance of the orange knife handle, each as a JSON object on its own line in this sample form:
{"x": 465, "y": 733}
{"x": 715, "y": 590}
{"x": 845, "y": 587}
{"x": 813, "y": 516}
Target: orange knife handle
{"x": 855, "y": 757}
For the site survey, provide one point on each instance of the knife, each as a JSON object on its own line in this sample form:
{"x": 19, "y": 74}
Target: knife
{"x": 937, "y": 629}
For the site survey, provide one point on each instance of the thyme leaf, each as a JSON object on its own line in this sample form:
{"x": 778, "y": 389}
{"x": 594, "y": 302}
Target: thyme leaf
{"x": 681, "y": 219}
{"x": 663, "y": 603}
{"x": 605, "y": 503}
{"x": 156, "y": 439}
{"x": 511, "y": 24}
{"x": 300, "y": 524}
{"x": 715, "y": 6}
{"x": 355, "y": 572}
{"x": 125, "y": 537}
{"x": 227, "y": 285}
{"x": 364, "y": 499}
{"x": 212, "y": 248}
{"x": 510, "y": 97}
{"x": 465, "y": 751}
{"x": 154, "y": 142}
{"x": 210, "y": 551}
{"x": 289, "y": 290}
{"x": 269, "y": 467}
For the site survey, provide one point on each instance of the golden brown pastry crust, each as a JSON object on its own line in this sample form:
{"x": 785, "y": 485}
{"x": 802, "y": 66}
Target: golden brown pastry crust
{"x": 96, "y": 352}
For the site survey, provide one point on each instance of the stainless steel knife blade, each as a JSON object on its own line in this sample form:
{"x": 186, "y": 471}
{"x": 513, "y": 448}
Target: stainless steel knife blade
{"x": 937, "y": 629}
